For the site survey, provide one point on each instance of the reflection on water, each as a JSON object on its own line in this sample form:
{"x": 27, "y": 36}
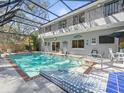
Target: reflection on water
{"x": 31, "y": 64}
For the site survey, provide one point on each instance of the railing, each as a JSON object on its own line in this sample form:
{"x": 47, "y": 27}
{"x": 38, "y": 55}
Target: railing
{"x": 75, "y": 28}
{"x": 82, "y": 27}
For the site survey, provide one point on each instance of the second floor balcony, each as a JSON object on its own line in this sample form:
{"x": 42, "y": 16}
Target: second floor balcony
{"x": 89, "y": 25}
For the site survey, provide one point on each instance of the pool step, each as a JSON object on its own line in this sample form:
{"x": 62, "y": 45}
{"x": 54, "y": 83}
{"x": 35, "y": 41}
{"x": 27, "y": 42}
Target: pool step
{"x": 76, "y": 83}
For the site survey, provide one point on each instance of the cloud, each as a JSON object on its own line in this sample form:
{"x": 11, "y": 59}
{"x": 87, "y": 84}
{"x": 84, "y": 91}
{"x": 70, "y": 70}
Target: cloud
{"x": 63, "y": 11}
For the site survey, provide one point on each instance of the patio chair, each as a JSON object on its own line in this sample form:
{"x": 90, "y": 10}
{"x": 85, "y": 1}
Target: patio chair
{"x": 116, "y": 57}
{"x": 111, "y": 55}
{"x": 98, "y": 59}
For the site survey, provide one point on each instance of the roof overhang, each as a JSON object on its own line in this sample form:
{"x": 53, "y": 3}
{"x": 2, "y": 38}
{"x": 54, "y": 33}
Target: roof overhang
{"x": 118, "y": 34}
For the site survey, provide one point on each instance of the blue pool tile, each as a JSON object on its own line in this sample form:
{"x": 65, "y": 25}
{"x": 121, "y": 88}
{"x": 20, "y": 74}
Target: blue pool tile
{"x": 121, "y": 83}
{"x": 114, "y": 87}
{"x": 115, "y": 83}
{"x": 121, "y": 89}
{"x": 109, "y": 90}
{"x": 121, "y": 78}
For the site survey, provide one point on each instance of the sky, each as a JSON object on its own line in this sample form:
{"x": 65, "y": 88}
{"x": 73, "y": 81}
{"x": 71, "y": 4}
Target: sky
{"x": 61, "y": 9}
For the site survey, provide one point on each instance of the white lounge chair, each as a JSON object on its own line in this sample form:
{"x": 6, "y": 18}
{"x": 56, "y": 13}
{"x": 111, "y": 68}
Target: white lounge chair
{"x": 111, "y": 55}
{"x": 98, "y": 59}
{"x": 116, "y": 57}
{"x": 113, "y": 58}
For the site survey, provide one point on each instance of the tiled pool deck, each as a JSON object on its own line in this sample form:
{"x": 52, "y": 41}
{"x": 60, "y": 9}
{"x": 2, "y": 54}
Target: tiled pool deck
{"x": 12, "y": 82}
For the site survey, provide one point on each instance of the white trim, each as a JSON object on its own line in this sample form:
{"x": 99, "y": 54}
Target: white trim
{"x": 100, "y": 28}
{"x": 78, "y": 48}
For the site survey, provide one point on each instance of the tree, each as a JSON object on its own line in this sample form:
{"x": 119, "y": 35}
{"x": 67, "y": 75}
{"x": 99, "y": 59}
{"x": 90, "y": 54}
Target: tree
{"x": 18, "y": 28}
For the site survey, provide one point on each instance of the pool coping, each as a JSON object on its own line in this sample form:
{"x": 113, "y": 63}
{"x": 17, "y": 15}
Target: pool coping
{"x": 55, "y": 84}
{"x": 21, "y": 73}
{"x": 27, "y": 78}
{"x": 89, "y": 69}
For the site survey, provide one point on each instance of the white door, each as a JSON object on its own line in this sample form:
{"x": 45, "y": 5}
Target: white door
{"x": 65, "y": 47}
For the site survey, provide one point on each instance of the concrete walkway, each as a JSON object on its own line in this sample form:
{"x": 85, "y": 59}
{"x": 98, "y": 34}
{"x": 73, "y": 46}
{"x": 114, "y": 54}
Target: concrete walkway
{"x": 12, "y": 82}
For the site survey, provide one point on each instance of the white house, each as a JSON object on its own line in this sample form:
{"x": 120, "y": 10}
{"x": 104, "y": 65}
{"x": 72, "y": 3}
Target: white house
{"x": 91, "y": 27}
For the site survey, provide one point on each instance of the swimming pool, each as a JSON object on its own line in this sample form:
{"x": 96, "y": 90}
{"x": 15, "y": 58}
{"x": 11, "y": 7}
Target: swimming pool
{"x": 32, "y": 63}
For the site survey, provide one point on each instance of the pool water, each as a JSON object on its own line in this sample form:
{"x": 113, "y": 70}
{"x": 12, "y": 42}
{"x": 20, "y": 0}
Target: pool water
{"x": 32, "y": 63}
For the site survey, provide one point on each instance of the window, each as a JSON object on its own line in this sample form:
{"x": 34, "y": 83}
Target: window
{"x": 45, "y": 43}
{"x": 116, "y": 6}
{"x": 80, "y": 43}
{"x": 93, "y": 41}
{"x": 48, "y": 43}
{"x": 106, "y": 10}
{"x": 55, "y": 46}
{"x": 74, "y": 44}
{"x": 48, "y": 28}
{"x": 112, "y": 7}
{"x": 123, "y": 5}
{"x": 81, "y": 18}
{"x": 106, "y": 39}
{"x": 62, "y": 24}
{"x": 77, "y": 43}
{"x": 75, "y": 19}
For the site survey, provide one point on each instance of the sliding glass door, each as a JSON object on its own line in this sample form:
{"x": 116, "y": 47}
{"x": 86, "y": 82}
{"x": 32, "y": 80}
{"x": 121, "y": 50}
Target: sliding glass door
{"x": 56, "y": 46}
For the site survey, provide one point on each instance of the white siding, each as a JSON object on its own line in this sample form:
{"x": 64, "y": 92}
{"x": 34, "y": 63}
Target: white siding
{"x": 96, "y": 24}
{"x": 102, "y": 48}
{"x": 115, "y": 18}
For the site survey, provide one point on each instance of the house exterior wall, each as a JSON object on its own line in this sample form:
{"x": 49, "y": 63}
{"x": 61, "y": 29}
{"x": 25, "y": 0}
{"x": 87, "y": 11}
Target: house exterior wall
{"x": 84, "y": 27}
{"x": 96, "y": 24}
{"x": 102, "y": 48}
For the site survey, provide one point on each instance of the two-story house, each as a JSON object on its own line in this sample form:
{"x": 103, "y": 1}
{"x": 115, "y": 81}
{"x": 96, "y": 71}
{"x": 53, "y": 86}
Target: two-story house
{"x": 91, "y": 27}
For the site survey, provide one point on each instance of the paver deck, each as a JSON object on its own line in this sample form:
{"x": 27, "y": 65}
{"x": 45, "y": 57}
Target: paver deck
{"x": 12, "y": 82}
